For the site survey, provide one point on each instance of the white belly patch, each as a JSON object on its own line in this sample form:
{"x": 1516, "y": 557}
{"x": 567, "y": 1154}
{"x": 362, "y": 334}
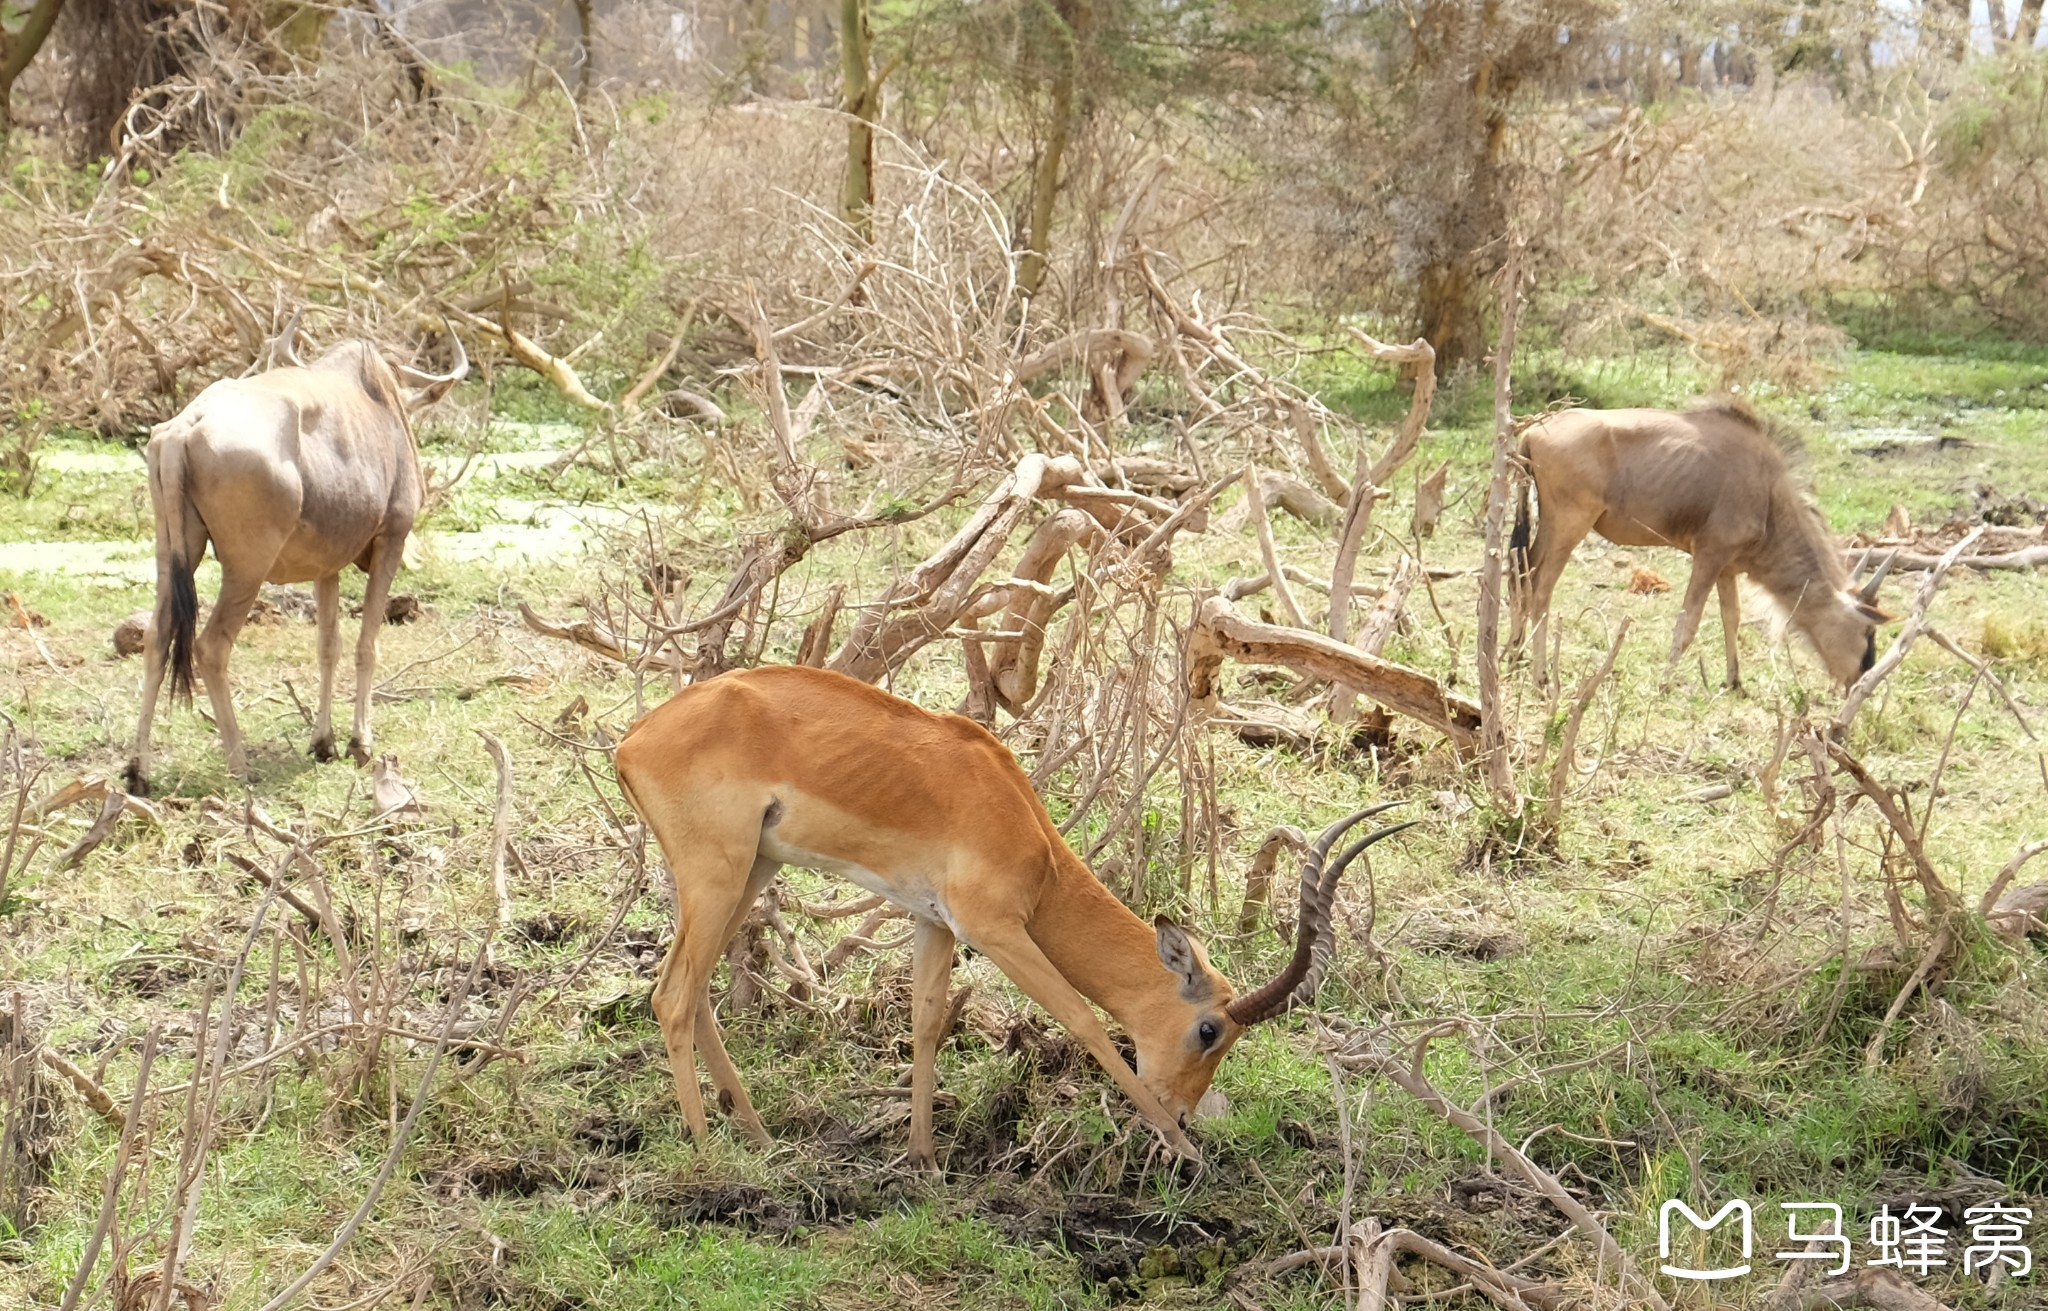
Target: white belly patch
{"x": 913, "y": 895}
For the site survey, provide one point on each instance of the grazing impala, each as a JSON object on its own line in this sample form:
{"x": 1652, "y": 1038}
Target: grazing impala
{"x": 743, "y": 774}
{"x": 1711, "y": 482}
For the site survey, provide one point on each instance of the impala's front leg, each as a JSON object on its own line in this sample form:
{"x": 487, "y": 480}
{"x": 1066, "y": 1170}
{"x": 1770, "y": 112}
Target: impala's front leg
{"x": 1016, "y": 955}
{"x": 931, "y": 973}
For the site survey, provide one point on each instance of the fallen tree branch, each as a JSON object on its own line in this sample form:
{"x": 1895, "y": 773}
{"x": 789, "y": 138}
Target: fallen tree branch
{"x": 1219, "y": 632}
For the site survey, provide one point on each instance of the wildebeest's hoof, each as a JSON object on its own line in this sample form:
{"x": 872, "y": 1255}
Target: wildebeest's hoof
{"x": 323, "y": 749}
{"x": 358, "y": 752}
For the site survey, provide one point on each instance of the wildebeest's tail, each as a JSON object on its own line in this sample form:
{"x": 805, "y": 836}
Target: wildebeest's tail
{"x": 180, "y": 538}
{"x": 1518, "y": 541}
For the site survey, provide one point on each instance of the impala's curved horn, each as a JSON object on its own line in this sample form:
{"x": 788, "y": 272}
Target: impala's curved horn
{"x": 440, "y": 380}
{"x": 1870, "y": 585}
{"x": 1313, "y": 939}
{"x": 288, "y": 340}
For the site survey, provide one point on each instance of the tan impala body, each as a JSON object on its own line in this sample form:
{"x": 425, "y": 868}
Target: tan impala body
{"x": 1711, "y": 482}
{"x": 745, "y": 773}
{"x": 292, "y": 475}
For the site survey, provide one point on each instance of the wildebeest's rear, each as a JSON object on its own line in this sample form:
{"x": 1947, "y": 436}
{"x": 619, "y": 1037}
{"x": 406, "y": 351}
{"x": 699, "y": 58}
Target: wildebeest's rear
{"x": 291, "y": 475}
{"x": 1711, "y": 482}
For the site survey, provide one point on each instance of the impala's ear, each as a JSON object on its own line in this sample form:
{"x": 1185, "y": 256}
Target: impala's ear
{"x": 1178, "y": 953}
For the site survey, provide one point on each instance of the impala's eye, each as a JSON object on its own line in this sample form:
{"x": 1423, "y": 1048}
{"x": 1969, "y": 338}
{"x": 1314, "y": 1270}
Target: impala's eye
{"x": 1208, "y": 1033}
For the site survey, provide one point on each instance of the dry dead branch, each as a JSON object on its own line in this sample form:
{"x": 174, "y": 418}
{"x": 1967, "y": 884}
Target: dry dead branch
{"x": 101, "y": 828}
{"x": 1269, "y": 551}
{"x": 95, "y": 1096}
{"x": 501, "y": 828}
{"x": 1372, "y": 479}
{"x": 1915, "y": 622}
{"x": 1500, "y": 777}
{"x": 1378, "y": 627}
{"x": 1221, "y": 633}
{"x": 1567, "y": 746}
{"x": 1258, "y": 880}
{"x": 1407, "y": 1074}
{"x": 1429, "y": 501}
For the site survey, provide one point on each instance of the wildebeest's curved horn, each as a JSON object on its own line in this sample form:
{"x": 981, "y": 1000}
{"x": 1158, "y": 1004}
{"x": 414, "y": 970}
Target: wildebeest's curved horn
{"x": 1313, "y": 940}
{"x": 453, "y": 376}
{"x": 288, "y": 340}
{"x": 1870, "y": 585}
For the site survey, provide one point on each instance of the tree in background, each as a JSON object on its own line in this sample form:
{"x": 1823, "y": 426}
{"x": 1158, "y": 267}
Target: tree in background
{"x": 1053, "y": 72}
{"x": 23, "y": 29}
{"x": 861, "y": 101}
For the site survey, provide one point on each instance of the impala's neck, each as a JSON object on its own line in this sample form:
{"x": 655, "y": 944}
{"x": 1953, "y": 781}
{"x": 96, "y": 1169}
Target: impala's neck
{"x": 1108, "y": 954}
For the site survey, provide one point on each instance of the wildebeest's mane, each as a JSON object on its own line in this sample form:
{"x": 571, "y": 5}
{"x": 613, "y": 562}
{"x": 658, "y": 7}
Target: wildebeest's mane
{"x": 1780, "y": 434}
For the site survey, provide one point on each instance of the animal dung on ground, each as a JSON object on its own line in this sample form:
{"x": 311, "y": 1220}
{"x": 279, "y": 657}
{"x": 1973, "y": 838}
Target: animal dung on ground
{"x": 130, "y": 634}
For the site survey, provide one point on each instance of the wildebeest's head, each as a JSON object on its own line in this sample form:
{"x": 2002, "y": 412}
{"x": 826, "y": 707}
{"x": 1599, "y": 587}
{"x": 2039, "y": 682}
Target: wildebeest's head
{"x": 378, "y": 375}
{"x": 1843, "y": 626}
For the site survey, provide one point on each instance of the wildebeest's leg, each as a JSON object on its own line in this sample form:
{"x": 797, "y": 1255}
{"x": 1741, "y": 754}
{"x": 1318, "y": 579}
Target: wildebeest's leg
{"x": 385, "y": 554}
{"x": 1705, "y": 570}
{"x": 327, "y": 592}
{"x": 167, "y": 643}
{"x": 238, "y": 589}
{"x": 152, "y": 683}
{"x": 1557, "y": 533}
{"x": 1731, "y": 620}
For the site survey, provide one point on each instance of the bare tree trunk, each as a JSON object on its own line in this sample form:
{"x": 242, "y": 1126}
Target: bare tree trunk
{"x": 1995, "y": 11}
{"x": 1045, "y": 181}
{"x": 859, "y": 97}
{"x": 1493, "y": 738}
{"x": 586, "y": 47}
{"x": 1452, "y": 290}
{"x": 2028, "y": 30}
{"x": 17, "y": 49}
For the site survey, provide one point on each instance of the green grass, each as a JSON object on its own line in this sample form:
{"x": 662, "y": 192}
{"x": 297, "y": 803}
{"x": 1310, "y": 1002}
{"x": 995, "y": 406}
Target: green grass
{"x": 1655, "y": 922}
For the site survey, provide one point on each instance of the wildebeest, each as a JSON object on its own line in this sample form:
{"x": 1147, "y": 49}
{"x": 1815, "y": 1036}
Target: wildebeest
{"x": 1710, "y": 481}
{"x": 292, "y": 474}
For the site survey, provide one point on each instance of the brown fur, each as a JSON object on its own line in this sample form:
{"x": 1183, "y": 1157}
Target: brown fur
{"x": 1714, "y": 483}
{"x": 740, "y": 774}
{"x": 291, "y": 476}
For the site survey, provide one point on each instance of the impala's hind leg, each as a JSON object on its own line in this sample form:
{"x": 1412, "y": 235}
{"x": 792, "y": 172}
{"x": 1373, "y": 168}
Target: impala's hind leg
{"x": 724, "y": 1075}
{"x": 712, "y": 877}
{"x": 931, "y": 973}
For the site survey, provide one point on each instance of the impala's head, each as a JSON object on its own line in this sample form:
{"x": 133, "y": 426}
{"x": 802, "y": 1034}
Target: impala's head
{"x": 1178, "y": 1051}
{"x": 1842, "y": 623}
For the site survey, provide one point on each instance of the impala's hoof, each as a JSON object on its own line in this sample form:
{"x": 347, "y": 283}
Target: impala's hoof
{"x": 134, "y": 780}
{"x": 323, "y": 749}
{"x": 358, "y": 752}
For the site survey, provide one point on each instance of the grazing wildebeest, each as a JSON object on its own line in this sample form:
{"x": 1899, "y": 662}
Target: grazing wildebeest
{"x": 292, "y": 474}
{"x": 1713, "y": 483}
